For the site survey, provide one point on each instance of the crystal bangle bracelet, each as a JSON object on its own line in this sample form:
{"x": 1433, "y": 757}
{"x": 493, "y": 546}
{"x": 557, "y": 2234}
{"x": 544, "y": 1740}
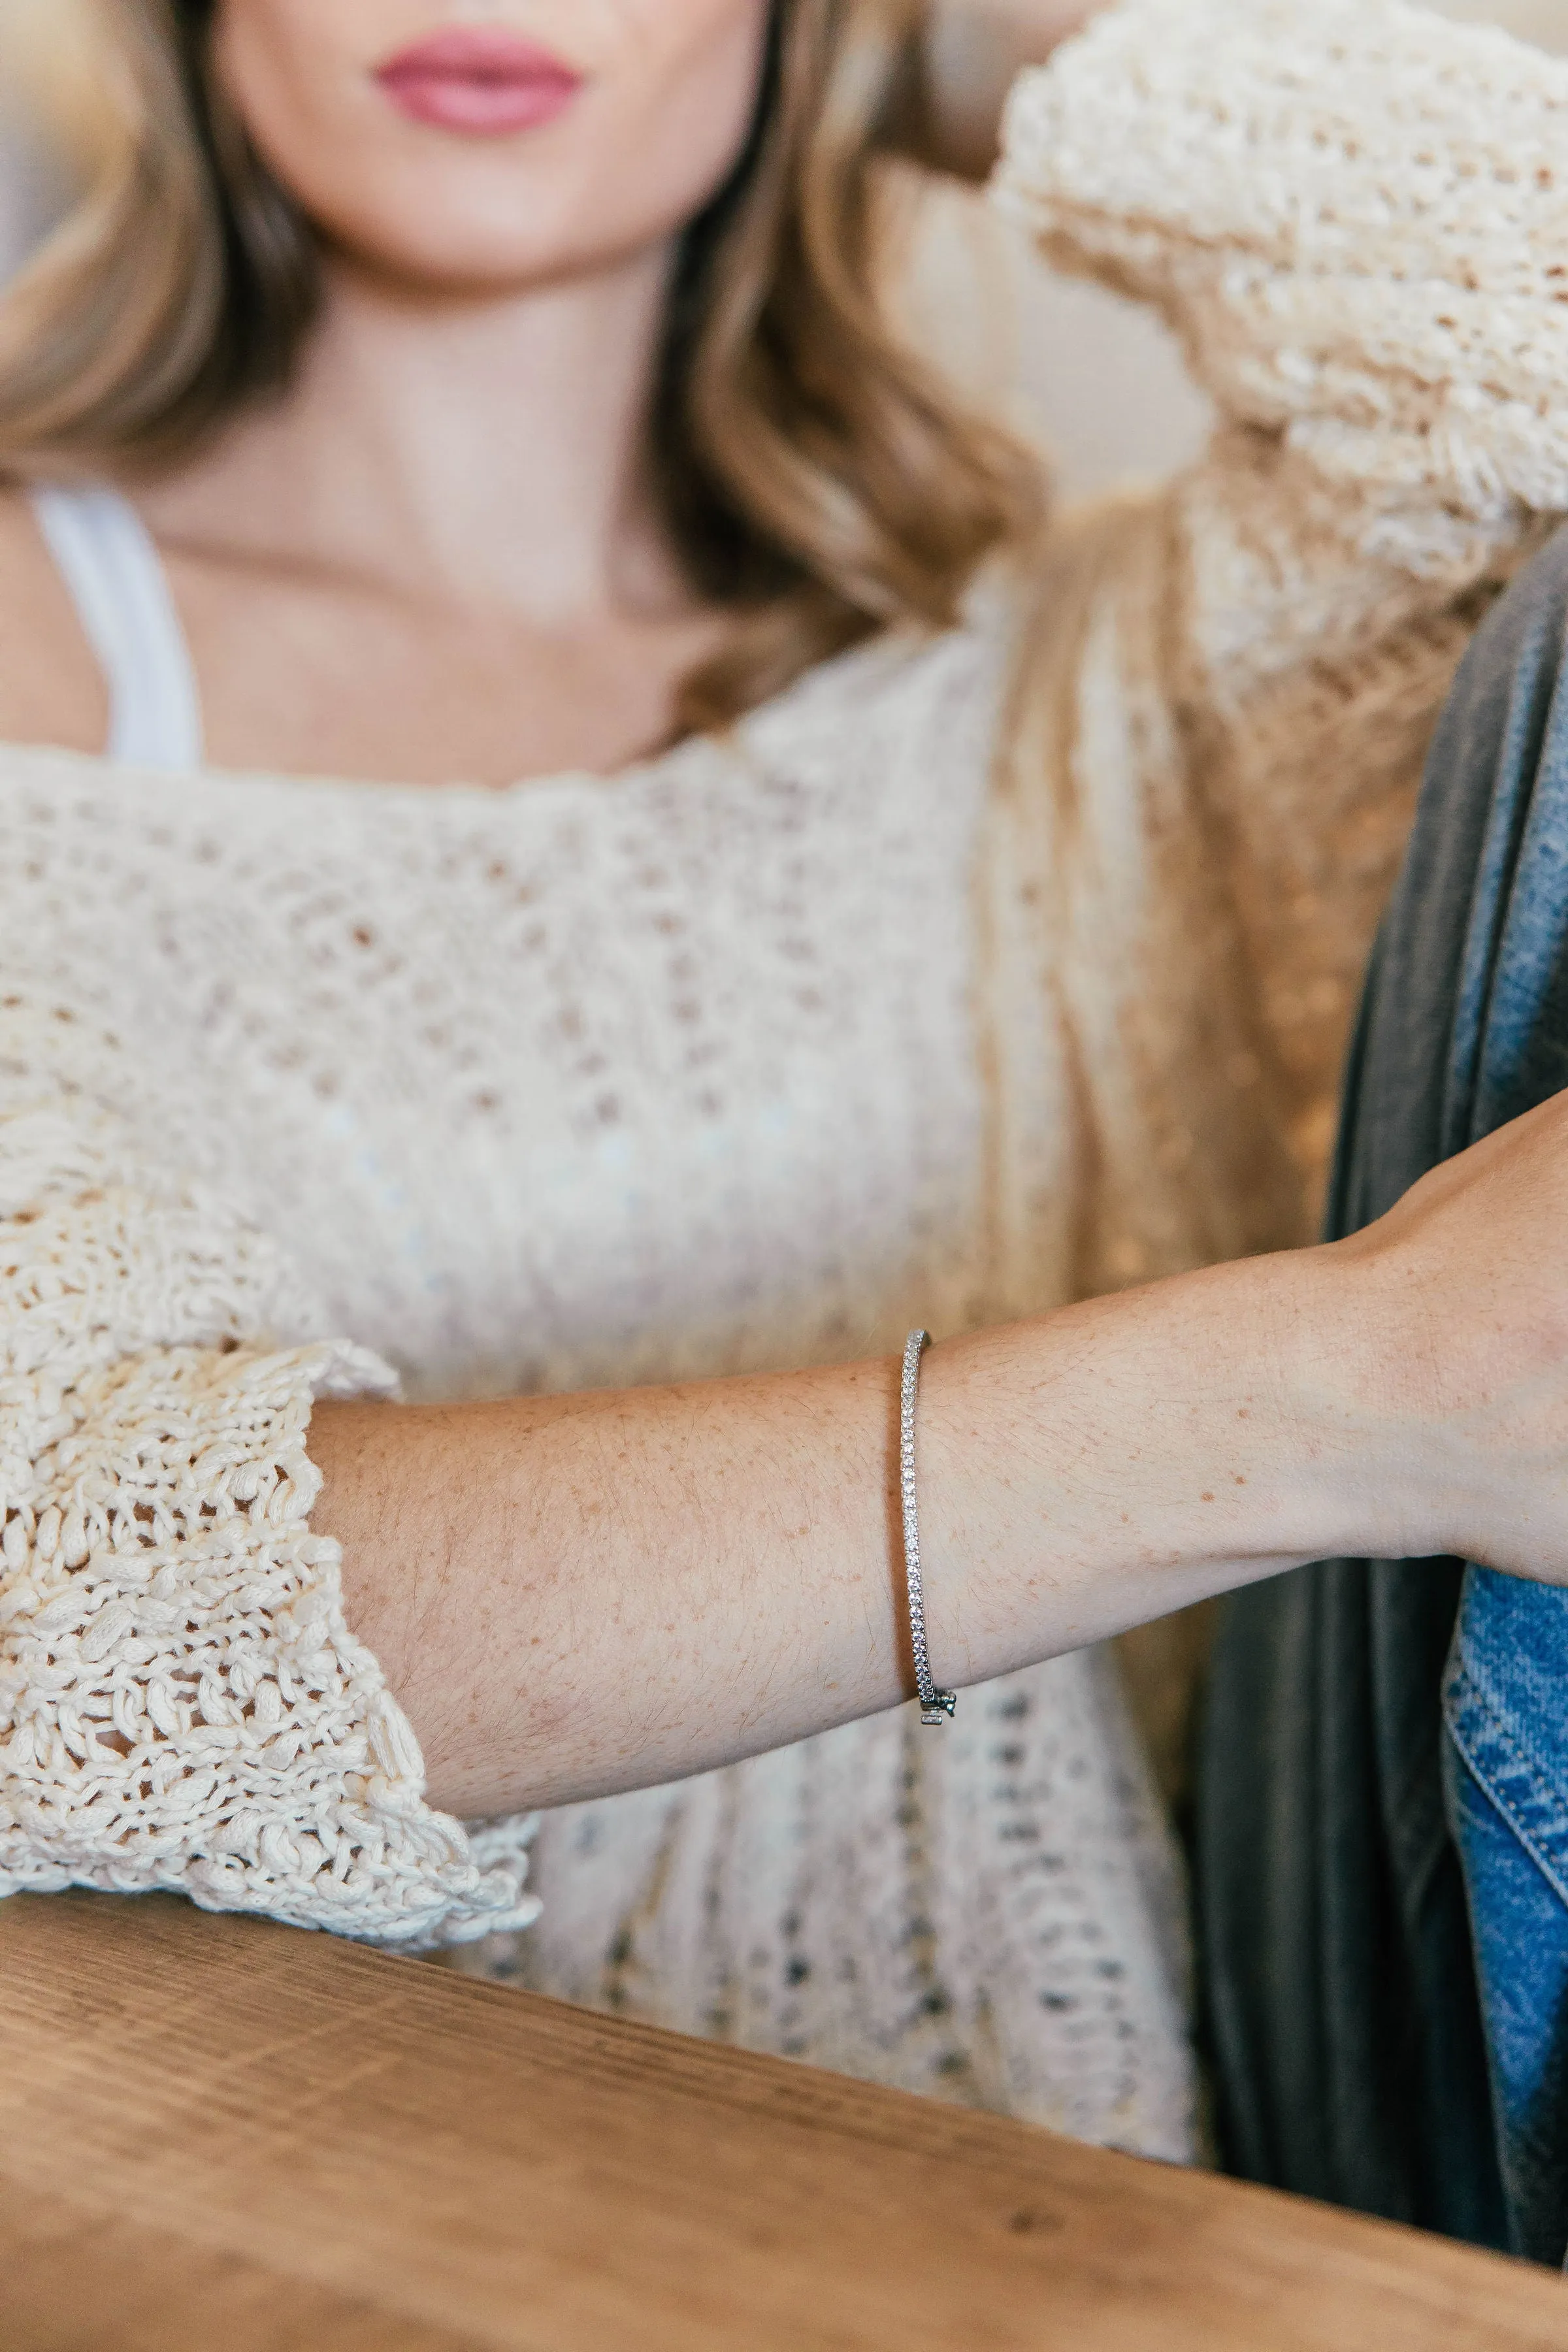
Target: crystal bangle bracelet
{"x": 936, "y": 1705}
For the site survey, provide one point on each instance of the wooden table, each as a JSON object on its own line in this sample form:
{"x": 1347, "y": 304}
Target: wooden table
{"x": 217, "y": 2136}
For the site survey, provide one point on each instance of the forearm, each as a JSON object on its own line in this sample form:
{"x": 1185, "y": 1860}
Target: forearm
{"x": 575, "y": 1596}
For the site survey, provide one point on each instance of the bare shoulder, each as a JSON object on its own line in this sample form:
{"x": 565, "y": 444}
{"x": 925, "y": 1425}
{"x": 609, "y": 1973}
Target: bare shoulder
{"x": 51, "y": 690}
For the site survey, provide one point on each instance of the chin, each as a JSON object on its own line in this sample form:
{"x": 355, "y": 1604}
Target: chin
{"x": 475, "y": 250}
{"x": 491, "y": 221}
{"x": 463, "y": 149}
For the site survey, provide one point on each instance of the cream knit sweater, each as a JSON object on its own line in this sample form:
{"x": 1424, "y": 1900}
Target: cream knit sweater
{"x": 967, "y": 977}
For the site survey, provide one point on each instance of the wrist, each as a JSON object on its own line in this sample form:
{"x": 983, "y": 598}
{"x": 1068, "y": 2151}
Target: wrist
{"x": 1285, "y": 1420}
{"x": 1370, "y": 1444}
{"x": 1296, "y": 1436}
{"x": 1134, "y": 1453}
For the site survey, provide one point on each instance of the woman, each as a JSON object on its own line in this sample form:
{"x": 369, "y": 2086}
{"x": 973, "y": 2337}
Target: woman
{"x": 873, "y": 939}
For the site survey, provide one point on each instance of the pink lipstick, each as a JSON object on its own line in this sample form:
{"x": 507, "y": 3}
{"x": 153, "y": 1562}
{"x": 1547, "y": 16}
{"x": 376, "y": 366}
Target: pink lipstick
{"x": 473, "y": 79}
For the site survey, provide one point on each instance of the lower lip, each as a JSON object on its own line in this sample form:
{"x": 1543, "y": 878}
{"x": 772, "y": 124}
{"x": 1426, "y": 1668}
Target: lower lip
{"x": 484, "y": 106}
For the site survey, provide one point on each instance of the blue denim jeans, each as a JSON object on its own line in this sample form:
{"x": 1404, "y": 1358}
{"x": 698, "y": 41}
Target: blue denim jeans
{"x": 1383, "y": 1800}
{"x": 1507, "y": 1760}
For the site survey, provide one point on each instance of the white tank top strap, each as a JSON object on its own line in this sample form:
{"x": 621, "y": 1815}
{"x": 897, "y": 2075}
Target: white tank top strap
{"x": 117, "y": 581}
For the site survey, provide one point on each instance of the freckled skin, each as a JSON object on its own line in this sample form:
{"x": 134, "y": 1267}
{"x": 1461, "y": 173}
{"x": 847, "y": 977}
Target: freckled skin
{"x": 548, "y": 1648}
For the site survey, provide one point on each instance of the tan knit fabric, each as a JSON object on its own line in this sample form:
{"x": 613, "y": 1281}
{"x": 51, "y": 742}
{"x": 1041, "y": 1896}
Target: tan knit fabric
{"x": 1355, "y": 219}
{"x": 963, "y": 979}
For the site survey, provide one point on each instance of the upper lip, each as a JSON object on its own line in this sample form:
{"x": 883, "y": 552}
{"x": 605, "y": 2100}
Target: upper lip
{"x": 478, "y": 53}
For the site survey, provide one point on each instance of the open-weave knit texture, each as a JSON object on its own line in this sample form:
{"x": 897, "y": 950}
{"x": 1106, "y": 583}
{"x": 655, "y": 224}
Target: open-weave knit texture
{"x": 962, "y": 978}
{"x": 181, "y": 1703}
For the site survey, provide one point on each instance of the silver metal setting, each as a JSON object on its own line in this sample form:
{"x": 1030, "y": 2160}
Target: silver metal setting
{"x": 936, "y": 1705}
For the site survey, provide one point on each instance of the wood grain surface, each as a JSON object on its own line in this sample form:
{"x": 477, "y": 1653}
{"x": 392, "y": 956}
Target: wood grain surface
{"x": 218, "y": 2136}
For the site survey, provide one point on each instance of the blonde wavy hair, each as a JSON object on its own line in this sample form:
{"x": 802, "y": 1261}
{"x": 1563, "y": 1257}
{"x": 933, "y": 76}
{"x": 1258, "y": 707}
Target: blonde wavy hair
{"x": 818, "y": 479}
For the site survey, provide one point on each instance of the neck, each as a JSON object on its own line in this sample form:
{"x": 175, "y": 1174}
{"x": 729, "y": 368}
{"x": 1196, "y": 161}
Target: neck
{"x": 491, "y": 449}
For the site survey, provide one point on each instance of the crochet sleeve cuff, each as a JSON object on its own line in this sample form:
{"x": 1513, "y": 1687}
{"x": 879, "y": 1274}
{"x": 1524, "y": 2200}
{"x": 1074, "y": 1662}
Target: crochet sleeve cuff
{"x": 181, "y": 1705}
{"x": 1356, "y": 216}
